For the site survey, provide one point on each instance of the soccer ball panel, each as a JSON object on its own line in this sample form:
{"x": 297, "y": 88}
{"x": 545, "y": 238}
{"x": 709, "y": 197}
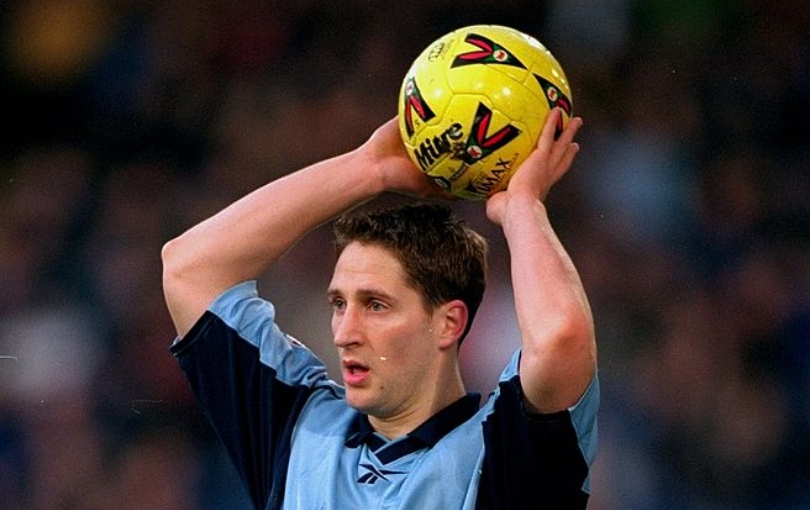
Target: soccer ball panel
{"x": 473, "y": 104}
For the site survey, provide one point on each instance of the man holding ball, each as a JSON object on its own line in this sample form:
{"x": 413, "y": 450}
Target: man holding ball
{"x": 399, "y": 431}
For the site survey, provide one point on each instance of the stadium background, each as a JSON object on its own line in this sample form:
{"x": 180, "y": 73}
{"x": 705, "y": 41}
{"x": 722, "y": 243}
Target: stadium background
{"x": 687, "y": 213}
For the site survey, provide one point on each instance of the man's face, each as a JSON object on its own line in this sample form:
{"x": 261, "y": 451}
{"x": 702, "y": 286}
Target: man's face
{"x": 383, "y": 333}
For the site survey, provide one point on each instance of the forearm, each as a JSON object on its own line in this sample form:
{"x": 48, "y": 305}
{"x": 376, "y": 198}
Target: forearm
{"x": 242, "y": 241}
{"x": 558, "y": 349}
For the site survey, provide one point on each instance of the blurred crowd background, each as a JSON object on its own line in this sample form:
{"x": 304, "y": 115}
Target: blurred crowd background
{"x": 687, "y": 213}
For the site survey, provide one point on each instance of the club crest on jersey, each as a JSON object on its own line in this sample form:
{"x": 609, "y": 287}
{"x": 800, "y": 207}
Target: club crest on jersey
{"x": 414, "y": 102}
{"x": 489, "y": 52}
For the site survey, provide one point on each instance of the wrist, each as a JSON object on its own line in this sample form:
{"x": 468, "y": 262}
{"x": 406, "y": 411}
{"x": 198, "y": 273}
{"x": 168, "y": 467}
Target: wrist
{"x": 521, "y": 207}
{"x": 366, "y": 171}
{"x": 371, "y": 166}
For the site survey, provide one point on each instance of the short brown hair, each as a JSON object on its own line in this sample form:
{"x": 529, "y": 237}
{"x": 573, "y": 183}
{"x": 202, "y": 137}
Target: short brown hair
{"x": 443, "y": 258}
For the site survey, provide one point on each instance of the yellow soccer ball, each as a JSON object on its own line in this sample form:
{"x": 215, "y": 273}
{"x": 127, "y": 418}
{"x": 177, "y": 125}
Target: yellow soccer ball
{"x": 473, "y": 103}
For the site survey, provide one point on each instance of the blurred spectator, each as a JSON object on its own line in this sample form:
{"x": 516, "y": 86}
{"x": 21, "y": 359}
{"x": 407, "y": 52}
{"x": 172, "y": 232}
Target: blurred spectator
{"x": 688, "y": 215}
{"x": 56, "y": 353}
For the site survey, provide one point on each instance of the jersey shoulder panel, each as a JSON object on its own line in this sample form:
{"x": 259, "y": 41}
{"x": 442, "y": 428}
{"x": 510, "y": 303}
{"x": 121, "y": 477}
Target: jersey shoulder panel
{"x": 253, "y": 382}
{"x": 535, "y": 458}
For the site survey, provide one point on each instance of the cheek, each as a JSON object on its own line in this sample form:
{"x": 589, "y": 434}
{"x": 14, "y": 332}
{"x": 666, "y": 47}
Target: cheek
{"x": 404, "y": 354}
{"x": 398, "y": 345}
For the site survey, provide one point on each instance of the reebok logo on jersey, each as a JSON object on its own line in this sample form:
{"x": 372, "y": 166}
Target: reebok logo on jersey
{"x": 373, "y": 474}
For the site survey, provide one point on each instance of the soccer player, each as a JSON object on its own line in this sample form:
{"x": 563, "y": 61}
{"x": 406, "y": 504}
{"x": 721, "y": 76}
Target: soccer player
{"x": 400, "y": 431}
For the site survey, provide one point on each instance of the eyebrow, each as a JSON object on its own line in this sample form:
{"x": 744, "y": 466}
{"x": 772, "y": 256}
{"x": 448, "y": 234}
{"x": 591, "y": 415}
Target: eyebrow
{"x": 362, "y": 294}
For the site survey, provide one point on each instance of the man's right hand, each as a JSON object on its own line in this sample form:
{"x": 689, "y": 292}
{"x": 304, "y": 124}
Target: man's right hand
{"x": 388, "y": 158}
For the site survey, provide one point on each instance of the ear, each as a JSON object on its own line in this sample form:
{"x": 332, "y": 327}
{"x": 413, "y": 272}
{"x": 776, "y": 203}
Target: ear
{"x": 451, "y": 319}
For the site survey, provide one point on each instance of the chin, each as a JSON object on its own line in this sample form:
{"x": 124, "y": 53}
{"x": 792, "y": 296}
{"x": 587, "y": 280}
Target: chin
{"x": 356, "y": 401}
{"x": 361, "y": 403}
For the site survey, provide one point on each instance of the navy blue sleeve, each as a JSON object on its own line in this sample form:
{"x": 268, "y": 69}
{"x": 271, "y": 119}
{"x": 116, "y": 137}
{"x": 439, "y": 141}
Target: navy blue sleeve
{"x": 531, "y": 461}
{"x": 252, "y": 411}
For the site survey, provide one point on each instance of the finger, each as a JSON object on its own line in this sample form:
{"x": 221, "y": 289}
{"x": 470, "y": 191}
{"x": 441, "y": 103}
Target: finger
{"x": 546, "y": 139}
{"x": 561, "y": 147}
{"x": 567, "y": 160}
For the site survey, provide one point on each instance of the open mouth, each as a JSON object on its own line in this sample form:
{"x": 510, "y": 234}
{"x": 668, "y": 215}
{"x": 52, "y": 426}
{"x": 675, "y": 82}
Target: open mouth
{"x": 353, "y": 367}
{"x": 354, "y": 373}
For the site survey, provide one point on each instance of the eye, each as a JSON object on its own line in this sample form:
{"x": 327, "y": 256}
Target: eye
{"x": 377, "y": 306}
{"x": 337, "y": 303}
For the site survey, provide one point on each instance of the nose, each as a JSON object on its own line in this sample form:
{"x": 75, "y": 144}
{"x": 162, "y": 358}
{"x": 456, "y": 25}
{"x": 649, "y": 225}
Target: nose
{"x": 346, "y": 326}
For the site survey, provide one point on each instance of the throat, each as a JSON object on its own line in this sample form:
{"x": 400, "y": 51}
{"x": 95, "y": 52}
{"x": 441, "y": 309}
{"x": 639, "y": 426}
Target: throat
{"x": 398, "y": 424}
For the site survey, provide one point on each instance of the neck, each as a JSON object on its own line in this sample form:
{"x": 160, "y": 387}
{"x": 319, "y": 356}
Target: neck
{"x": 446, "y": 391}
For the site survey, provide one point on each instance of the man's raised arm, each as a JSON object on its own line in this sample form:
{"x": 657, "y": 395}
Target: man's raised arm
{"x": 243, "y": 240}
{"x": 558, "y": 357}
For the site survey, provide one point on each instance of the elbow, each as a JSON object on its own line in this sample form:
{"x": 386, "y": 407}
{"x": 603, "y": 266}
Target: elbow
{"x": 578, "y": 331}
{"x": 172, "y": 259}
{"x": 569, "y": 339}
{"x": 168, "y": 258}
{"x": 556, "y": 373}
{"x": 184, "y": 298}
{"x": 578, "y": 340}
{"x": 558, "y": 360}
{"x": 574, "y": 344}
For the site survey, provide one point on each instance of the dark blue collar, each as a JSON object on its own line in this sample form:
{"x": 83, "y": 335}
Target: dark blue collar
{"x": 424, "y": 436}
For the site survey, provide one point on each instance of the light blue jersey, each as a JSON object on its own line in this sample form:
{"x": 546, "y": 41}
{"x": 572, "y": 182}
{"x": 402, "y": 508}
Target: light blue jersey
{"x": 298, "y": 446}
